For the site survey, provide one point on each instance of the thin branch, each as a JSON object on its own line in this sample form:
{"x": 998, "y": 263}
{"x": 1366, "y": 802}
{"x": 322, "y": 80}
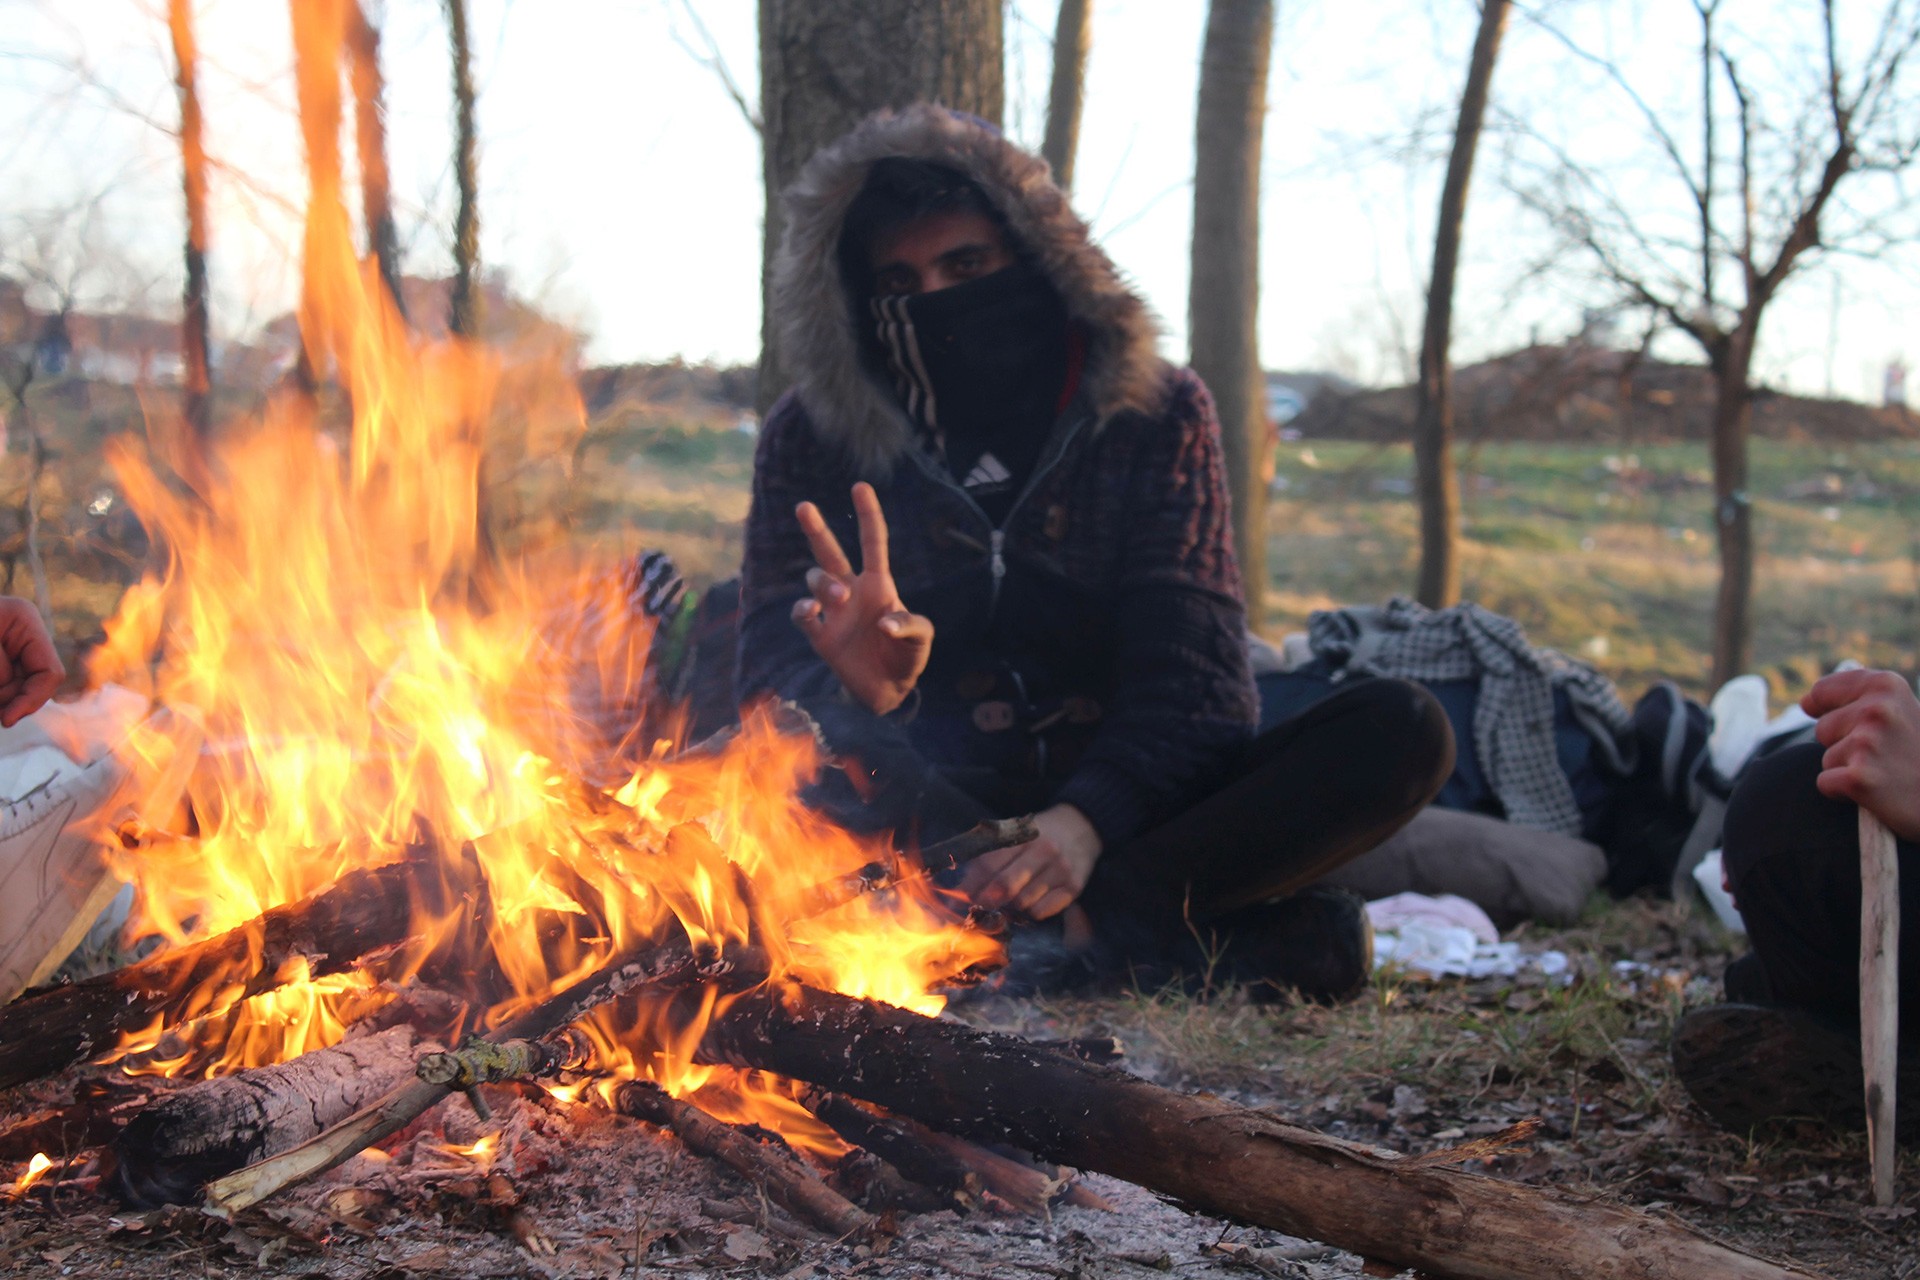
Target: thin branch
{"x": 1746, "y": 166}
{"x": 1652, "y": 117}
{"x": 1709, "y": 154}
{"x": 713, "y": 60}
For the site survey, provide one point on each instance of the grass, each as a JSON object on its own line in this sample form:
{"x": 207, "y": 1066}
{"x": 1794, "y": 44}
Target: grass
{"x": 1419, "y": 1065}
{"x": 1609, "y": 555}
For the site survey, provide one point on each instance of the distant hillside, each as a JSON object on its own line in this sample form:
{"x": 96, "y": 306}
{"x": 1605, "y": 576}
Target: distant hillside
{"x": 1592, "y": 395}
{"x": 695, "y": 388}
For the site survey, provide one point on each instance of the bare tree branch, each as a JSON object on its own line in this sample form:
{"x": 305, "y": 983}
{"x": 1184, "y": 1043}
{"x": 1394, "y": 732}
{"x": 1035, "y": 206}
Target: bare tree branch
{"x": 713, "y": 60}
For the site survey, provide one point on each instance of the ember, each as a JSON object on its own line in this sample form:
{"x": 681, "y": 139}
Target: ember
{"x": 36, "y": 1170}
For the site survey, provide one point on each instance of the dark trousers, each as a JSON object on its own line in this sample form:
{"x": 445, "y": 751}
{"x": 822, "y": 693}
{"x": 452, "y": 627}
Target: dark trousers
{"x": 1793, "y": 860}
{"x": 1312, "y": 792}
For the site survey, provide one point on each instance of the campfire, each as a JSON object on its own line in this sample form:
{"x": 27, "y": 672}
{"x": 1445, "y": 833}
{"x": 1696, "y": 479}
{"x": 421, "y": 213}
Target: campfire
{"x": 409, "y": 825}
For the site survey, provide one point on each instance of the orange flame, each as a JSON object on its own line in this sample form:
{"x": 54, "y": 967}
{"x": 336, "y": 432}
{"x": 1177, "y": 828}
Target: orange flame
{"x": 352, "y": 682}
{"x": 36, "y": 1170}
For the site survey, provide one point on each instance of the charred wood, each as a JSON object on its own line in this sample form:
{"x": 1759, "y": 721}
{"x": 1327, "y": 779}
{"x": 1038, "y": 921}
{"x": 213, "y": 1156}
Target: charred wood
{"x": 995, "y": 833}
{"x": 1099, "y": 1049}
{"x": 1218, "y": 1158}
{"x": 515, "y": 1045}
{"x": 872, "y": 1183}
{"x": 179, "y": 1143}
{"x": 1010, "y": 1185}
{"x": 50, "y": 1029}
{"x": 98, "y": 1111}
{"x": 788, "y": 1180}
{"x": 901, "y": 1143}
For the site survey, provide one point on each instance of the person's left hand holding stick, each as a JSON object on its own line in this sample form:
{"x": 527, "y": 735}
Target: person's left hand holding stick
{"x": 30, "y": 669}
{"x": 857, "y": 622}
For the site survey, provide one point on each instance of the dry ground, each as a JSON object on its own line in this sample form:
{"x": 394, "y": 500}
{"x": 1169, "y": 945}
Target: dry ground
{"x": 1411, "y": 1065}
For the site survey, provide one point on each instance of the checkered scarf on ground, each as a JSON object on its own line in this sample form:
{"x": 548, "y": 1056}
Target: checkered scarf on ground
{"x": 1513, "y": 717}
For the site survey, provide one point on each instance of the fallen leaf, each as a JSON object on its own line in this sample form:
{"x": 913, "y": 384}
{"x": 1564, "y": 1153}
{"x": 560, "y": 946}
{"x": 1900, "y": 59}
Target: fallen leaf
{"x": 745, "y": 1245}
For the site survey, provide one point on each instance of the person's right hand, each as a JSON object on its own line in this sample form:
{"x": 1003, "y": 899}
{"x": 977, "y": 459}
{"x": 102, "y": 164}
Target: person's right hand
{"x": 30, "y": 669}
{"x": 1869, "y": 722}
{"x": 857, "y": 622}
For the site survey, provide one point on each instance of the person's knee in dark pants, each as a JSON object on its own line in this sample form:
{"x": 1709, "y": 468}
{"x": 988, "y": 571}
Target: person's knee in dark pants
{"x": 1311, "y": 793}
{"x": 1792, "y": 859}
{"x": 1787, "y": 1045}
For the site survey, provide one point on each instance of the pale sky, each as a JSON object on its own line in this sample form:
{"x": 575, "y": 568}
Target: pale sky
{"x": 621, "y": 186}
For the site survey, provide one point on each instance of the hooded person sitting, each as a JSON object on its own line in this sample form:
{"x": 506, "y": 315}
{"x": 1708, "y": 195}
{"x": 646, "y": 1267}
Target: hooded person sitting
{"x": 989, "y": 550}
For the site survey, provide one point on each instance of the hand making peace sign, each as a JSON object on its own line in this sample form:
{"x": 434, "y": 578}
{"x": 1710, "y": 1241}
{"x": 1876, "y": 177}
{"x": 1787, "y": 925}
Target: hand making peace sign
{"x": 857, "y": 623}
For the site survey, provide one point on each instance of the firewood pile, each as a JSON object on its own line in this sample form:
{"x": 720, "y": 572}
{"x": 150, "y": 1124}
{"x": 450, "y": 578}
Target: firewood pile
{"x": 901, "y": 1114}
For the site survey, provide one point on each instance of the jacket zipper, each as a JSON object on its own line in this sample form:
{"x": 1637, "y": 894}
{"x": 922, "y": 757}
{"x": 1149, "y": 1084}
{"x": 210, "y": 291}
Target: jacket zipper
{"x": 997, "y": 537}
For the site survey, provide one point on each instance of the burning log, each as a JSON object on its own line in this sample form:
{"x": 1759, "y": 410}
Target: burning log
{"x": 512, "y": 1052}
{"x": 901, "y": 1143}
{"x": 181, "y": 1142}
{"x": 1219, "y": 1158}
{"x": 51, "y": 1029}
{"x": 787, "y": 1179}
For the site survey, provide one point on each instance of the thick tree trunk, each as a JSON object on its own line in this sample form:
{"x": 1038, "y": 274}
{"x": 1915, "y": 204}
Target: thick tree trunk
{"x": 1732, "y": 510}
{"x": 197, "y": 377}
{"x": 370, "y": 138}
{"x": 50, "y": 1029}
{"x": 1223, "y": 297}
{"x": 181, "y": 1142}
{"x": 1206, "y": 1153}
{"x": 463, "y": 311}
{"x": 826, "y": 64}
{"x": 1072, "y": 40}
{"x": 1437, "y": 485}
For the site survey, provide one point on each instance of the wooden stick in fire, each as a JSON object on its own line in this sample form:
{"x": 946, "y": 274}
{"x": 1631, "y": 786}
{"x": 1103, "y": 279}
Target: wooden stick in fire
{"x": 788, "y": 1180}
{"x": 942, "y": 855}
{"x": 517, "y": 1049}
{"x": 51, "y": 1029}
{"x": 1879, "y": 994}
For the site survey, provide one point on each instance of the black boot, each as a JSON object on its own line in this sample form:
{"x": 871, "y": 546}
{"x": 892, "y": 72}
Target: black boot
{"x": 1747, "y": 1065}
{"x": 1316, "y": 944}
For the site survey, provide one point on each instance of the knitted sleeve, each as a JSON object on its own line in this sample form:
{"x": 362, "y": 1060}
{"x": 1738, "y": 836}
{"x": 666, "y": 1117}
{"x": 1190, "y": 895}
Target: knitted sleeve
{"x": 774, "y": 657}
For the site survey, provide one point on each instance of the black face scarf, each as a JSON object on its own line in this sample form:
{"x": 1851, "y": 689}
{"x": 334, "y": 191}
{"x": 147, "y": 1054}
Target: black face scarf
{"x": 979, "y": 367}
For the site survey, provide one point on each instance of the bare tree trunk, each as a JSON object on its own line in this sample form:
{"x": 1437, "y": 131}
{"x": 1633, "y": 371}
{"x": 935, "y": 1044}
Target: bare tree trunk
{"x": 1072, "y": 39}
{"x": 463, "y": 316}
{"x": 1223, "y": 298}
{"x": 198, "y": 374}
{"x": 826, "y": 64}
{"x": 464, "y": 302}
{"x": 370, "y": 137}
{"x": 1732, "y": 509}
{"x": 1435, "y": 482}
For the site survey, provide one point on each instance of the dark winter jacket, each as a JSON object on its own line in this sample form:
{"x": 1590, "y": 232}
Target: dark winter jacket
{"x": 1091, "y": 650}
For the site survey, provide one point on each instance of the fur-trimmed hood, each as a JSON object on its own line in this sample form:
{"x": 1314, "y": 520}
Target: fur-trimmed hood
{"x": 848, "y": 403}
